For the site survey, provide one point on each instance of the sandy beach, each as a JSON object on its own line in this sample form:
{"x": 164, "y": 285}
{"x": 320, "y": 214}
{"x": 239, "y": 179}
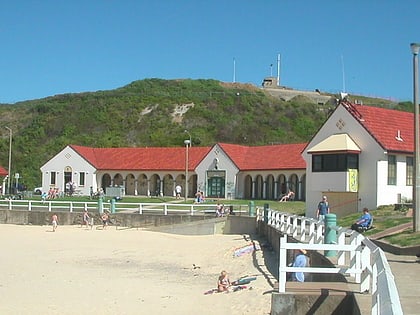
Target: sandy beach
{"x": 127, "y": 271}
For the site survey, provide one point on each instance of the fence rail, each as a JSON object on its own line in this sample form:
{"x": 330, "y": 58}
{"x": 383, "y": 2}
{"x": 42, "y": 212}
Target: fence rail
{"x": 140, "y": 208}
{"x": 357, "y": 257}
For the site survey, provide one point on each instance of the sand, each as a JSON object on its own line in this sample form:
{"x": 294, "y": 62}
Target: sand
{"x": 127, "y": 271}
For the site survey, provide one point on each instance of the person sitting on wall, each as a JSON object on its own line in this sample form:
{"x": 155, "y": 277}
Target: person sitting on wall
{"x": 363, "y": 223}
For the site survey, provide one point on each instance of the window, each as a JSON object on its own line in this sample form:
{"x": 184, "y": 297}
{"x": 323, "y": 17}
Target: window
{"x": 82, "y": 179}
{"x": 335, "y": 162}
{"x": 392, "y": 170}
{"x": 409, "y": 163}
{"x": 53, "y": 178}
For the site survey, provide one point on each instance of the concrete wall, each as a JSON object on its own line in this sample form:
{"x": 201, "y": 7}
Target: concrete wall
{"x": 303, "y": 304}
{"x": 178, "y": 224}
{"x": 121, "y": 219}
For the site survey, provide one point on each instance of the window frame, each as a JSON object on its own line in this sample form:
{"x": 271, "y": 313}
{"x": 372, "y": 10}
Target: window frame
{"x": 392, "y": 170}
{"x": 336, "y": 162}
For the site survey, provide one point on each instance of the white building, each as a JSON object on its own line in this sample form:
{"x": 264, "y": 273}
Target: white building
{"x": 221, "y": 171}
{"x": 361, "y": 157}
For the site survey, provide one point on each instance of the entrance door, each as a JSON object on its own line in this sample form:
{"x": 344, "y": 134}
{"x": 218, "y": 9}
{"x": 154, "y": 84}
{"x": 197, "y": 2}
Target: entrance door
{"x": 216, "y": 187}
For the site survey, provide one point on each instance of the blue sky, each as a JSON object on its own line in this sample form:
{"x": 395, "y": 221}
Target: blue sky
{"x": 51, "y": 47}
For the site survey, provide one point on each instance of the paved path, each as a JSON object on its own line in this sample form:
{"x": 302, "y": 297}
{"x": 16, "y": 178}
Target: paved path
{"x": 406, "y": 271}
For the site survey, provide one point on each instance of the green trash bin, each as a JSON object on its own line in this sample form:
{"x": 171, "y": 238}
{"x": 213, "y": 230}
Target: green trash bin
{"x": 113, "y": 205}
{"x": 266, "y": 208}
{"x": 251, "y": 206}
{"x": 330, "y": 235}
{"x": 100, "y": 205}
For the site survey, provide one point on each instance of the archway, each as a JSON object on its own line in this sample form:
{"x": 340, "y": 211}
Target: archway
{"x": 142, "y": 185}
{"x": 269, "y": 189}
{"x": 168, "y": 185}
{"x": 106, "y": 181}
{"x": 130, "y": 185}
{"x": 248, "y": 187}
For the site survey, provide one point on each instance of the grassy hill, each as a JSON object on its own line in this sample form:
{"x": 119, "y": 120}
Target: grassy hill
{"x": 154, "y": 112}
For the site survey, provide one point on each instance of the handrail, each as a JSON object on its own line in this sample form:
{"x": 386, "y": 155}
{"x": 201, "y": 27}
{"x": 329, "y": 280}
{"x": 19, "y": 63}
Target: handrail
{"x": 140, "y": 208}
{"x": 366, "y": 262}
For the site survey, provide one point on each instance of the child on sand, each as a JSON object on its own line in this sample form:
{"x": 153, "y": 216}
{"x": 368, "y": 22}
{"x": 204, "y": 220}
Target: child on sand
{"x": 223, "y": 283}
{"x": 54, "y": 221}
{"x": 105, "y": 219}
{"x": 86, "y": 219}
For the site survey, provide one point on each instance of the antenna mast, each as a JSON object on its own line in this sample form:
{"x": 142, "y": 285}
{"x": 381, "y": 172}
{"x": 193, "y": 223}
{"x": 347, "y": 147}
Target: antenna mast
{"x": 342, "y": 70}
{"x": 278, "y": 70}
{"x": 234, "y": 70}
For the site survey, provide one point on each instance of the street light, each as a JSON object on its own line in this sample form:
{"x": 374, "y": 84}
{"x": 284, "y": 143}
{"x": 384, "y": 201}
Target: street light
{"x": 189, "y": 135}
{"x": 187, "y": 145}
{"x": 415, "y": 47}
{"x": 10, "y": 159}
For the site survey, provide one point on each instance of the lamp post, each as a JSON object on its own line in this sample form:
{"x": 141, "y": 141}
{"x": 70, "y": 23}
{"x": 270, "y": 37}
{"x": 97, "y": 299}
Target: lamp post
{"x": 10, "y": 160}
{"x": 187, "y": 145}
{"x": 415, "y": 47}
{"x": 189, "y": 135}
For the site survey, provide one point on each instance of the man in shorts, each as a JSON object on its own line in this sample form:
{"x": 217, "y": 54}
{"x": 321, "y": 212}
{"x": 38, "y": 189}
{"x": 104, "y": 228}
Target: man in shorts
{"x": 323, "y": 209}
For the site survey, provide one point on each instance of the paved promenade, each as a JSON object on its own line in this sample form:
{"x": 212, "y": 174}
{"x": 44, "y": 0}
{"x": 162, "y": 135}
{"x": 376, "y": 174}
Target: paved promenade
{"x": 406, "y": 271}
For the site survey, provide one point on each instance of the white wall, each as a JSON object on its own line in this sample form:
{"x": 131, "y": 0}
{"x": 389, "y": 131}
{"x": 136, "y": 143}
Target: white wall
{"x": 373, "y": 166}
{"x": 69, "y": 158}
{"x": 224, "y": 164}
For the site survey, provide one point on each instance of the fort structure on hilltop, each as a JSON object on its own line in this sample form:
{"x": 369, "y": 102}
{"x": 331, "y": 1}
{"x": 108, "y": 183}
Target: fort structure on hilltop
{"x": 272, "y": 87}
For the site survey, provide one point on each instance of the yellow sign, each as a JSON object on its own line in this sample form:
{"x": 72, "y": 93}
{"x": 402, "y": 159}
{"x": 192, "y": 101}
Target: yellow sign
{"x": 353, "y": 180}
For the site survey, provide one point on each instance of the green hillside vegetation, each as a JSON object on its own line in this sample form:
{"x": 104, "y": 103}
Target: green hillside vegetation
{"x": 142, "y": 114}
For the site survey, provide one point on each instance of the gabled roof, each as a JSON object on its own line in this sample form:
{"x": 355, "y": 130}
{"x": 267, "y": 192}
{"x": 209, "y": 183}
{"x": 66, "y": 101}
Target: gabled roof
{"x": 268, "y": 157}
{"x": 392, "y": 129}
{"x": 147, "y": 158}
{"x": 282, "y": 156}
{"x": 3, "y": 172}
{"x": 335, "y": 144}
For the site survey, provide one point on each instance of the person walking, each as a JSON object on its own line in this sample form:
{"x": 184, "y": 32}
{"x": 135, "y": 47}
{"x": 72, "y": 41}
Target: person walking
{"x": 323, "y": 209}
{"x": 105, "y": 218}
{"x": 178, "y": 190}
{"x": 86, "y": 219}
{"x": 54, "y": 221}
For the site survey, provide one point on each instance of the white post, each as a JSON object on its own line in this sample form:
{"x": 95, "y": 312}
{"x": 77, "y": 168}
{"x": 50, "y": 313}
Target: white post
{"x": 294, "y": 233}
{"x": 282, "y": 264}
{"x": 341, "y": 240}
{"x": 311, "y": 232}
{"x": 302, "y": 229}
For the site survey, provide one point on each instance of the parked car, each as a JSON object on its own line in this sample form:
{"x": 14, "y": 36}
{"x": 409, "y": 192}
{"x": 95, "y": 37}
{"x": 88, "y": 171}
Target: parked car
{"x": 38, "y": 190}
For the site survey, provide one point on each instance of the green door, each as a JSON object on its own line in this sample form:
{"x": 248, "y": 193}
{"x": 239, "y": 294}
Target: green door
{"x": 216, "y": 187}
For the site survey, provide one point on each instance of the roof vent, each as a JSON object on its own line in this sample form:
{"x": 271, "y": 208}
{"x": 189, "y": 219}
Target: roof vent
{"x": 398, "y": 137}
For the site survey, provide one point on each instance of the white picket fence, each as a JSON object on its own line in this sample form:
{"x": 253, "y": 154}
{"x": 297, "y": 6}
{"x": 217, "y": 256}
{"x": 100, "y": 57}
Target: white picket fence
{"x": 92, "y": 206}
{"x": 357, "y": 257}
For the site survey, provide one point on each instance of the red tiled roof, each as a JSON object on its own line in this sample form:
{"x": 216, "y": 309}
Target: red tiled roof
{"x": 282, "y": 156}
{"x": 385, "y": 125}
{"x": 3, "y": 172}
{"x": 268, "y": 157}
{"x": 153, "y": 158}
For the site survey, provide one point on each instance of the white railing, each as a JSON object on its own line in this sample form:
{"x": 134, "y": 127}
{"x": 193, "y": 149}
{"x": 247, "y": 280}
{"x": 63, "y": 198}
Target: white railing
{"x": 357, "y": 257}
{"x": 141, "y": 208}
